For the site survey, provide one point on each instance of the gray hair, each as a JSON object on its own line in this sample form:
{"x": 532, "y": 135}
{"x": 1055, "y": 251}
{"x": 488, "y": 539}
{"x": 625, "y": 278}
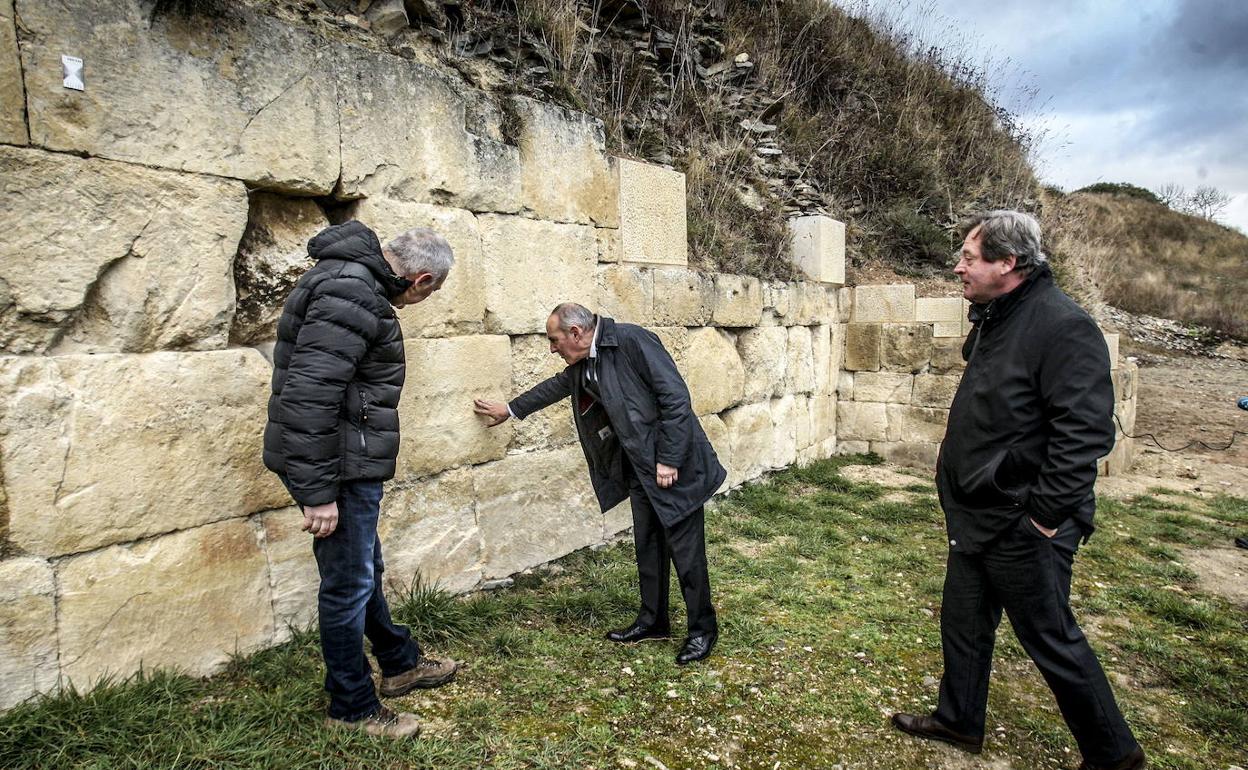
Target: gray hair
{"x": 1004, "y": 233}
{"x": 421, "y": 250}
{"x": 571, "y": 314}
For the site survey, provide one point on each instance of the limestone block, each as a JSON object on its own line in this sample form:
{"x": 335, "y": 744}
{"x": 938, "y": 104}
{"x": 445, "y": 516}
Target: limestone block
{"x": 821, "y": 349}
{"x": 908, "y": 454}
{"x": 884, "y": 304}
{"x": 188, "y": 600}
{"x": 777, "y": 297}
{"x": 836, "y": 345}
{"x": 916, "y": 424}
{"x": 822, "y": 418}
{"x": 845, "y": 386}
{"x": 862, "y": 347}
{"x": 531, "y": 266}
{"x": 245, "y": 97}
{"x": 107, "y": 449}
{"x": 146, "y": 265}
{"x": 535, "y": 507}
{"x": 808, "y": 304}
{"x": 935, "y": 390}
{"x": 1126, "y": 414}
{"x": 713, "y": 371}
{"x": 12, "y": 94}
{"x": 459, "y": 306}
{"x": 652, "y": 213}
{"x": 425, "y": 155}
{"x": 1111, "y": 342}
{"x": 764, "y": 352}
{"x": 625, "y": 293}
{"x": 675, "y": 341}
{"x": 947, "y": 355}
{"x": 750, "y": 440}
{"x": 852, "y": 447}
{"x": 861, "y": 421}
{"x": 439, "y": 428}
{"x": 532, "y": 362}
{"x": 617, "y": 520}
{"x": 906, "y": 347}
{"x": 682, "y": 297}
{"x": 844, "y": 304}
{"x": 800, "y": 361}
{"x": 293, "y": 578}
{"x": 942, "y": 309}
{"x": 818, "y": 247}
{"x": 565, "y": 174}
{"x": 717, "y": 433}
{"x": 738, "y": 300}
{"x": 28, "y": 664}
{"x": 387, "y": 17}
{"x": 429, "y": 529}
{"x": 609, "y": 244}
{"x": 883, "y": 387}
{"x": 1125, "y": 377}
{"x": 272, "y": 256}
{"x": 789, "y": 418}
{"x": 947, "y": 329}
{"x": 966, "y": 320}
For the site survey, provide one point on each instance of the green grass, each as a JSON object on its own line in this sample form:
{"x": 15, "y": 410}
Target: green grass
{"x": 829, "y": 598}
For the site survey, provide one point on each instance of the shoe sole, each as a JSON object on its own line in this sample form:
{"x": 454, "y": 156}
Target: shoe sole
{"x": 422, "y": 684}
{"x": 970, "y": 748}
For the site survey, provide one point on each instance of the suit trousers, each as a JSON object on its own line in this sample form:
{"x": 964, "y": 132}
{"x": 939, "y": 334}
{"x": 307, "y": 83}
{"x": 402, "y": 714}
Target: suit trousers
{"x": 658, "y": 547}
{"x": 1028, "y": 575}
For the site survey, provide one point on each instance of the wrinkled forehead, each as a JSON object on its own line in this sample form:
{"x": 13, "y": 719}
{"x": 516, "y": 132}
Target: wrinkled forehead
{"x": 553, "y": 332}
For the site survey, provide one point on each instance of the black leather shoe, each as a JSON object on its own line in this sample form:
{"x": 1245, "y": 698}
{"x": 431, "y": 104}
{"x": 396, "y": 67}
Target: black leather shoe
{"x": 1133, "y": 761}
{"x": 638, "y": 633}
{"x": 696, "y": 648}
{"x": 928, "y": 727}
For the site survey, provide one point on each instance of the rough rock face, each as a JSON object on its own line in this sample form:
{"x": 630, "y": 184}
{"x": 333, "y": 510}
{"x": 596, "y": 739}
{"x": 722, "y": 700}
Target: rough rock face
{"x": 565, "y": 173}
{"x": 272, "y": 255}
{"x": 293, "y": 578}
{"x": 713, "y": 371}
{"x": 429, "y": 532}
{"x": 28, "y": 663}
{"x": 531, "y": 266}
{"x": 12, "y": 95}
{"x": 532, "y": 362}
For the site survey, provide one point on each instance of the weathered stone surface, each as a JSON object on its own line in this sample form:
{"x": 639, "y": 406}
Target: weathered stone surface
{"x": 947, "y": 329}
{"x": 610, "y": 247}
{"x": 908, "y": 454}
{"x": 530, "y": 267}
{"x": 652, "y": 214}
{"x": 738, "y": 300}
{"x": 682, "y": 297}
{"x": 429, "y": 529}
{"x": 776, "y": 297}
{"x": 717, "y": 433}
{"x": 424, "y": 155}
{"x": 823, "y": 421}
{"x": 935, "y": 390}
{"x": 750, "y": 440}
{"x": 387, "y": 17}
{"x": 617, "y": 520}
{"x": 818, "y": 247}
{"x": 713, "y": 371}
{"x": 764, "y": 353}
{"x": 1111, "y": 342}
{"x": 438, "y": 427}
{"x": 861, "y": 421}
{"x": 535, "y": 507}
{"x": 844, "y": 304}
{"x": 836, "y": 363}
{"x": 916, "y": 424}
{"x": 106, "y": 449}
{"x": 675, "y": 341}
{"x": 12, "y": 94}
{"x": 1125, "y": 378}
{"x": 799, "y": 375}
{"x": 146, "y": 266}
{"x": 845, "y": 386}
{"x": 532, "y": 362}
{"x": 884, "y": 304}
{"x": 942, "y": 309}
{"x": 166, "y": 592}
{"x": 246, "y": 97}
{"x": 906, "y": 347}
{"x": 852, "y": 447}
{"x": 885, "y": 387}
{"x": 272, "y": 256}
{"x": 862, "y": 347}
{"x": 28, "y": 664}
{"x": 459, "y": 306}
{"x": 625, "y": 293}
{"x": 808, "y": 304}
{"x": 821, "y": 349}
{"x": 293, "y": 578}
{"x": 565, "y": 174}
{"x": 947, "y": 355}
{"x": 790, "y": 428}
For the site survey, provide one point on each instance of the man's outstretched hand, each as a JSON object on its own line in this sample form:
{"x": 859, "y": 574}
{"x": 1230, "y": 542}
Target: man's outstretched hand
{"x": 320, "y": 520}
{"x": 495, "y": 410}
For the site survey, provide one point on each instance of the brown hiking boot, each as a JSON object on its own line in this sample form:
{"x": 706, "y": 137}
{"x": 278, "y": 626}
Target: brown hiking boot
{"x": 428, "y": 672}
{"x": 385, "y": 723}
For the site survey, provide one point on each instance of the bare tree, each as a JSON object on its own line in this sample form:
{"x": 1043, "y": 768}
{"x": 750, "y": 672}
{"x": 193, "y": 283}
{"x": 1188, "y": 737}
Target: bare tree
{"x": 1172, "y": 195}
{"x": 1208, "y": 202}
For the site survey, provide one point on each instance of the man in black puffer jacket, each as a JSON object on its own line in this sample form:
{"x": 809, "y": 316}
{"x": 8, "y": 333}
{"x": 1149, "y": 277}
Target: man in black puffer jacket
{"x": 333, "y": 437}
{"x": 1032, "y": 415}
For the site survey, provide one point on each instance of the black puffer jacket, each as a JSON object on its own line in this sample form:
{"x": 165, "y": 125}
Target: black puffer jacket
{"x": 1032, "y": 415}
{"x": 338, "y": 370}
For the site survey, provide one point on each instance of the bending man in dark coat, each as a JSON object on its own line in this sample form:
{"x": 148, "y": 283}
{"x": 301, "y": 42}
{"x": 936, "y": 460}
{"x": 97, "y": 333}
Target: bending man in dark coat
{"x": 642, "y": 442}
{"x": 1030, "y": 418}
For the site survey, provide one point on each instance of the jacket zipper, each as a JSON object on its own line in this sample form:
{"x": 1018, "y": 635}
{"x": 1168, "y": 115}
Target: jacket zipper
{"x": 363, "y": 421}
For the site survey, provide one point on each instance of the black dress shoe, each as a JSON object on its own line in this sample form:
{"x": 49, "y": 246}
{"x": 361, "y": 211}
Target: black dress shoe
{"x": 1133, "y": 761}
{"x": 930, "y": 728}
{"x": 638, "y": 633}
{"x": 696, "y": 648}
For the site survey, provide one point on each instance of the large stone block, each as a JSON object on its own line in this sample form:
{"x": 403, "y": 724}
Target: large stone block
{"x": 906, "y": 347}
{"x": 717, "y": 433}
{"x": 862, "y": 347}
{"x": 884, "y": 387}
{"x": 682, "y": 297}
{"x": 617, "y": 520}
{"x": 947, "y": 355}
{"x": 908, "y": 454}
{"x": 738, "y": 300}
{"x": 884, "y": 304}
{"x": 799, "y": 376}
{"x": 836, "y": 363}
{"x": 246, "y": 97}
{"x": 652, "y": 214}
{"x": 530, "y": 267}
{"x": 28, "y": 662}
{"x": 750, "y": 438}
{"x": 713, "y": 371}
{"x": 935, "y": 390}
{"x": 565, "y": 174}
{"x": 821, "y": 349}
{"x": 938, "y": 309}
{"x": 764, "y": 354}
{"x": 293, "y": 577}
{"x": 818, "y": 248}
{"x": 675, "y": 341}
{"x": 188, "y": 600}
{"x": 429, "y": 529}
{"x": 107, "y": 449}
{"x": 790, "y": 428}
{"x": 916, "y": 424}
{"x": 844, "y": 304}
{"x": 532, "y": 362}
{"x": 535, "y": 507}
{"x": 822, "y": 420}
{"x": 1111, "y": 342}
{"x": 146, "y": 263}
{"x": 12, "y": 94}
{"x": 459, "y": 306}
{"x": 439, "y": 428}
{"x": 861, "y": 421}
{"x": 625, "y": 293}
{"x": 807, "y": 304}
{"x": 272, "y": 256}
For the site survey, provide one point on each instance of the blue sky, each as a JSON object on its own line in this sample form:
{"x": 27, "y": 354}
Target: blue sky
{"x": 1140, "y": 91}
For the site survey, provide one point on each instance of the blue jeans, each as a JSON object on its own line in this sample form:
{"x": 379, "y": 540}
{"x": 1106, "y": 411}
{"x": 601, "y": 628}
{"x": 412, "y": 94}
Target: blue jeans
{"x": 352, "y": 606}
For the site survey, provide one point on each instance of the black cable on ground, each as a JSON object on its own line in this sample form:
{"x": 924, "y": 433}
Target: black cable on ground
{"x": 1194, "y": 442}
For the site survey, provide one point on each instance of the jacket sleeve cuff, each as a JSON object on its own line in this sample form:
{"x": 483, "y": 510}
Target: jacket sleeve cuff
{"x": 1047, "y": 520}
{"x": 318, "y": 496}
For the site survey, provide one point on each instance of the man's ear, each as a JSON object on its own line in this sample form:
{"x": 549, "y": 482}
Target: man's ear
{"x": 1008, "y": 263}
{"x": 424, "y": 279}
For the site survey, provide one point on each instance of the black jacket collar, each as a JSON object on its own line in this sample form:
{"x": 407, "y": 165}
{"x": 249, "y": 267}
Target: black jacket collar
{"x": 353, "y": 242}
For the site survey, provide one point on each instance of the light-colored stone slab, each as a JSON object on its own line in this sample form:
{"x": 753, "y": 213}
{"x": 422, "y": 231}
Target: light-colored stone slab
{"x": 530, "y": 267}
{"x": 532, "y": 362}
{"x": 675, "y": 341}
{"x": 821, "y": 349}
{"x": 625, "y": 293}
{"x": 28, "y": 663}
{"x": 947, "y": 329}
{"x": 822, "y": 421}
{"x": 293, "y": 577}
{"x": 884, "y": 387}
{"x": 764, "y": 354}
{"x": 790, "y": 428}
{"x": 652, "y": 214}
{"x": 12, "y": 93}
{"x": 146, "y": 263}
{"x": 908, "y": 454}
{"x": 836, "y": 363}
{"x": 807, "y": 304}
{"x": 906, "y": 347}
{"x": 935, "y": 390}
{"x": 818, "y": 248}
{"x": 750, "y": 437}
{"x": 862, "y": 347}
{"x": 429, "y": 529}
{"x": 845, "y": 386}
{"x": 738, "y": 300}
{"x": 617, "y": 520}
{"x": 106, "y": 449}
{"x": 272, "y": 256}
{"x": 713, "y": 371}
{"x": 947, "y": 355}
{"x": 717, "y": 433}
{"x": 861, "y": 421}
{"x": 966, "y": 320}
{"x": 610, "y": 246}
{"x": 565, "y": 174}
{"x": 682, "y": 297}
{"x": 799, "y": 375}
{"x": 1111, "y": 342}
{"x": 884, "y": 304}
{"x": 916, "y": 424}
{"x": 933, "y": 309}
{"x": 844, "y": 304}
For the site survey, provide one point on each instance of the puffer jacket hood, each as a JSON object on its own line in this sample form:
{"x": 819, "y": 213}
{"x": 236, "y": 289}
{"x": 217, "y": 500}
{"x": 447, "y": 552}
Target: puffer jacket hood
{"x": 354, "y": 242}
